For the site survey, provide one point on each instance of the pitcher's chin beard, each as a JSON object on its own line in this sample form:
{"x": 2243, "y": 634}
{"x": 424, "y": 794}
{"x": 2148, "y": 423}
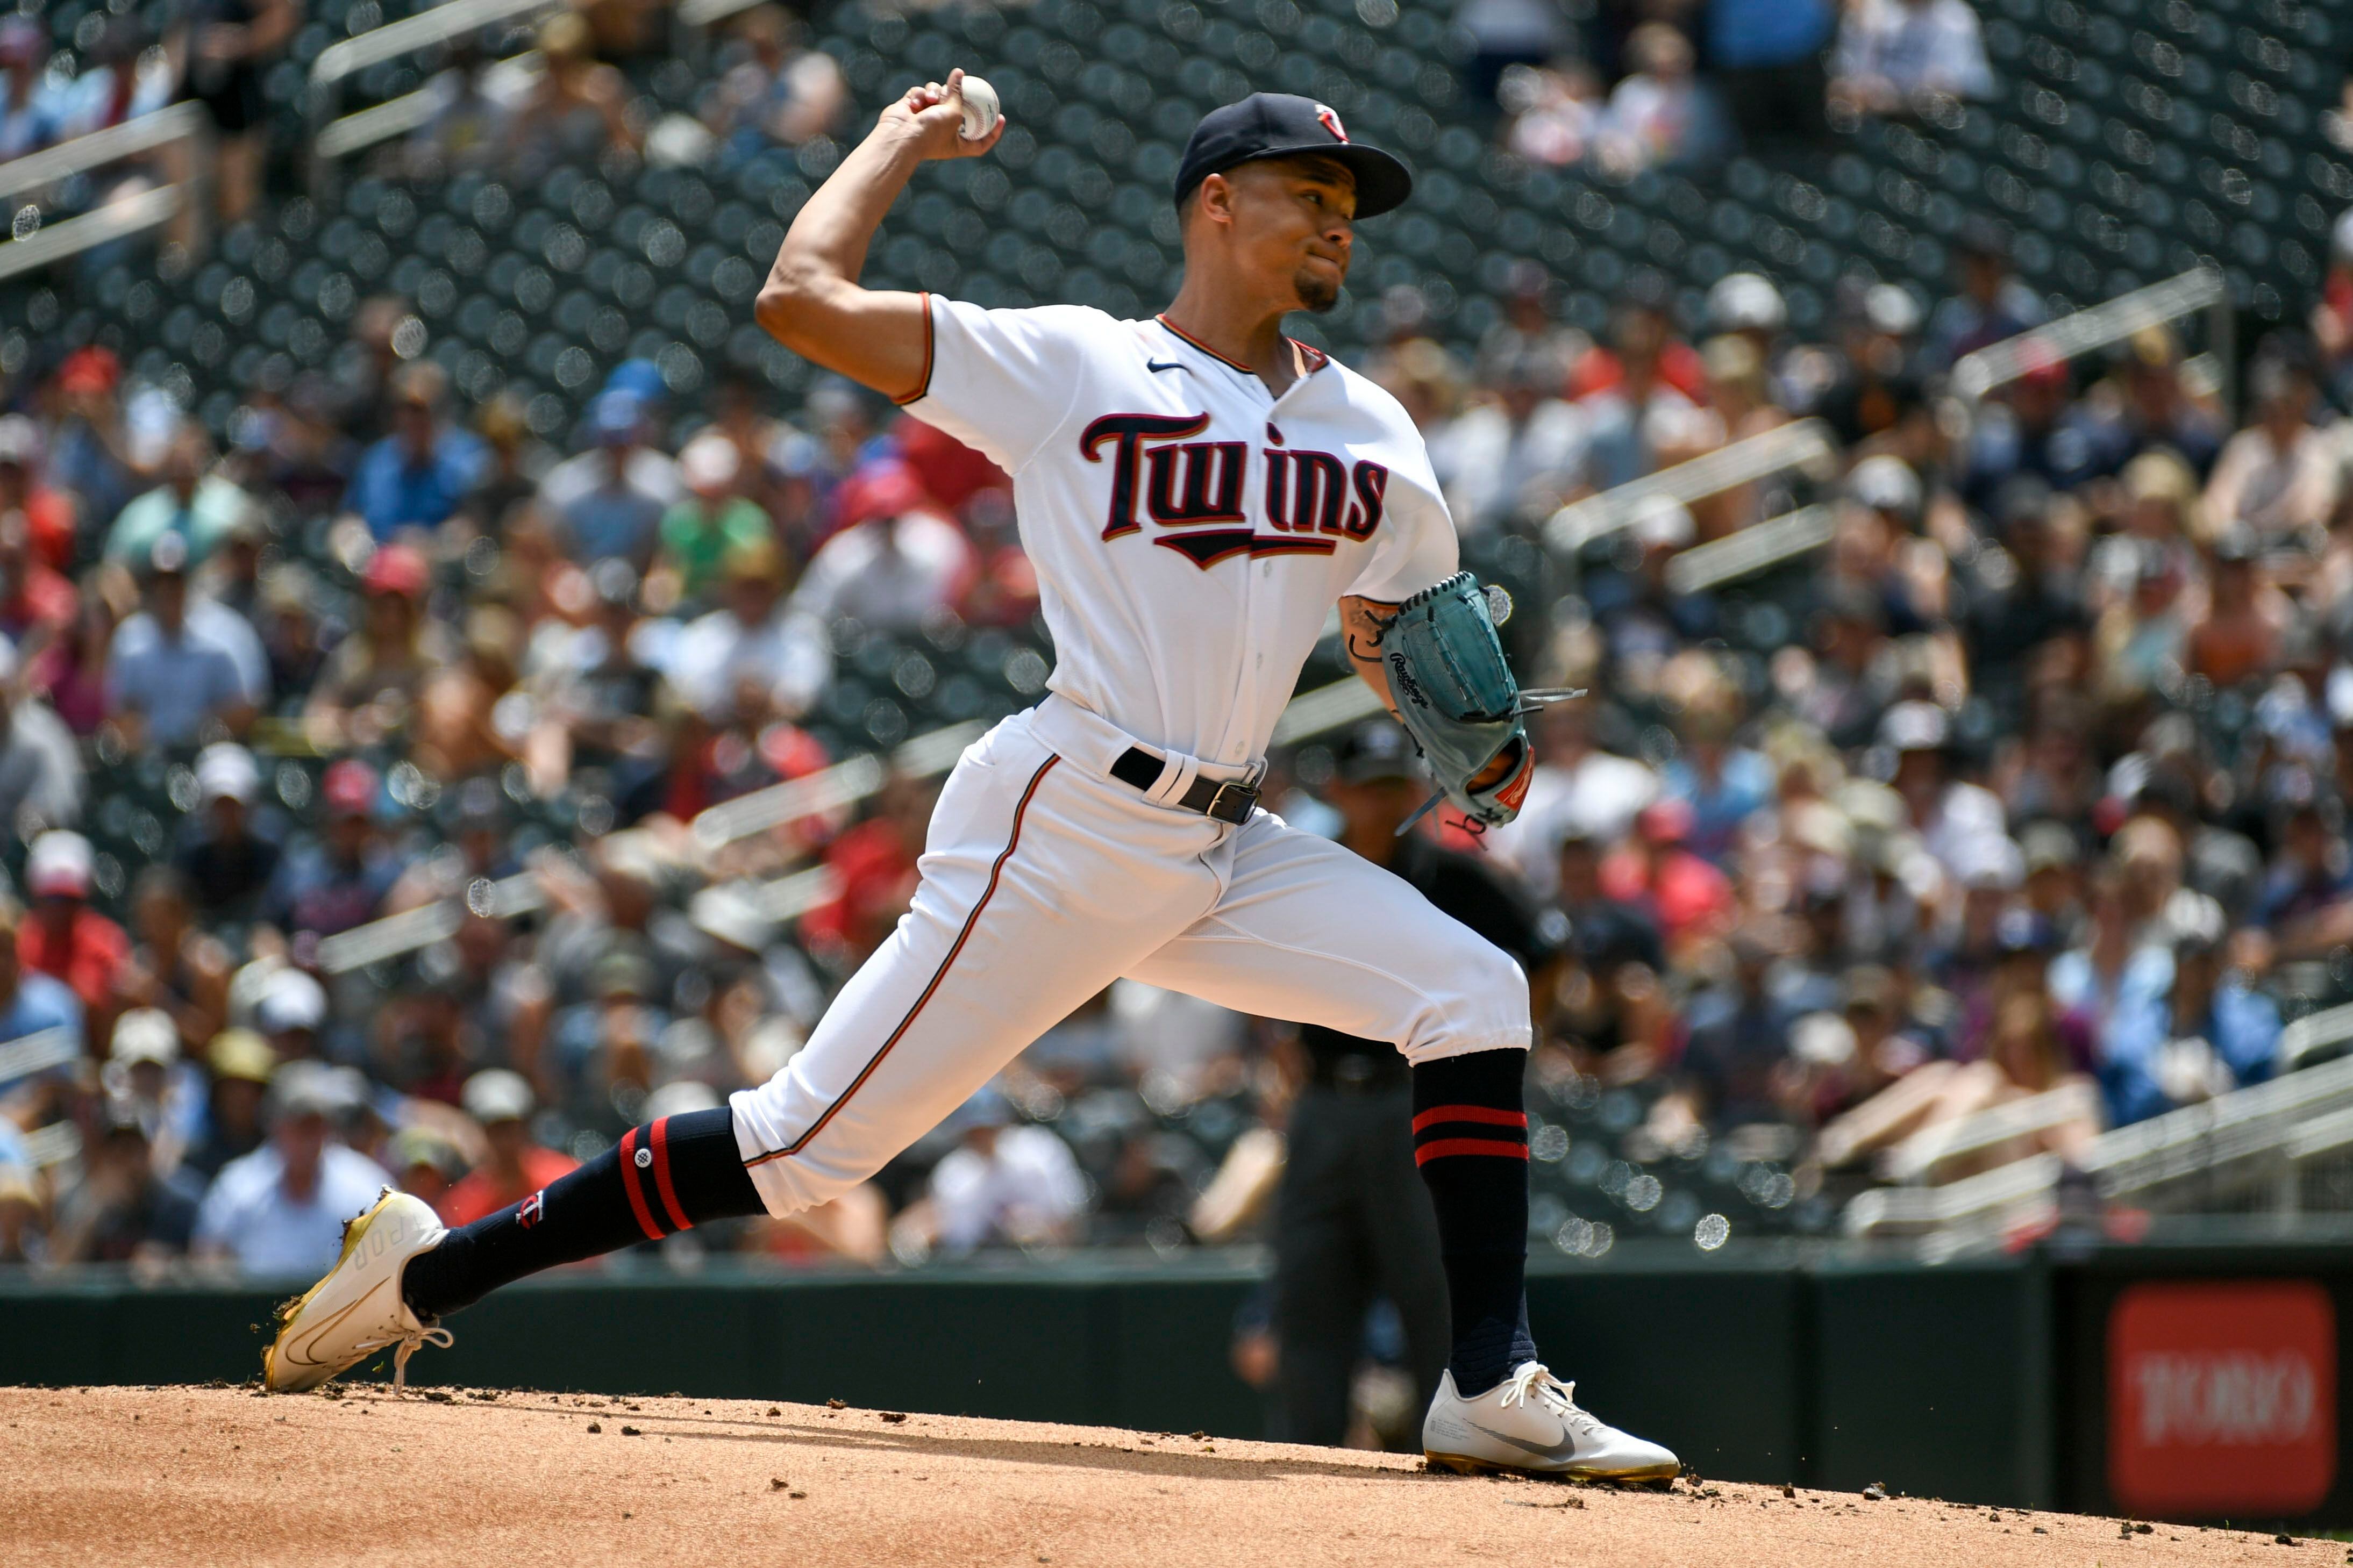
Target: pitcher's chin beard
{"x": 1316, "y": 293}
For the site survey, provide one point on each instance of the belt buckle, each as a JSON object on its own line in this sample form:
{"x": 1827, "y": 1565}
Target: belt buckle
{"x": 1231, "y": 803}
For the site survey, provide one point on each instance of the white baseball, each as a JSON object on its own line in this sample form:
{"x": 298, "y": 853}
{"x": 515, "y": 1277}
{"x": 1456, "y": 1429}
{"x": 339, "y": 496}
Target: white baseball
{"x": 979, "y": 108}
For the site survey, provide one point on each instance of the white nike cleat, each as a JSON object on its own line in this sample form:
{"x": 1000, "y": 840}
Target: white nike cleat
{"x": 356, "y": 1310}
{"x": 1530, "y": 1423}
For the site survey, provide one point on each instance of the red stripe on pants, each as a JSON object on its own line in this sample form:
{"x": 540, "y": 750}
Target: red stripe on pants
{"x": 637, "y": 1193}
{"x": 662, "y": 1177}
{"x": 1438, "y": 1148}
{"x": 1488, "y": 1114}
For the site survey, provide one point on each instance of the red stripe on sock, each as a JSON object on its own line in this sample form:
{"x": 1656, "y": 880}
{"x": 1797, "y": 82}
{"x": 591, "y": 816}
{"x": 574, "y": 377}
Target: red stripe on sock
{"x": 661, "y": 1176}
{"x": 1438, "y": 1148}
{"x": 1488, "y": 1114}
{"x": 630, "y": 1184}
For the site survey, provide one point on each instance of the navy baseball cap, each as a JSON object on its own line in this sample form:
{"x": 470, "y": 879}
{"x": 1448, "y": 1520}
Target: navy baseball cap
{"x": 1284, "y": 125}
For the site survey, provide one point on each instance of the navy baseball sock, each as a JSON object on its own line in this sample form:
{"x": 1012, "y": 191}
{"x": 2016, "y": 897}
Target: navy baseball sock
{"x": 659, "y": 1179}
{"x": 1470, "y": 1140}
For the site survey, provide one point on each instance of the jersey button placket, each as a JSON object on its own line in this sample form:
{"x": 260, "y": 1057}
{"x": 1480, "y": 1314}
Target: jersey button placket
{"x": 1245, "y": 670}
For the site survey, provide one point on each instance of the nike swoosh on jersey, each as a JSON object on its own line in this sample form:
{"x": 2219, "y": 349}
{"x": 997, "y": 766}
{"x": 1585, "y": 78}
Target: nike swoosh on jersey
{"x": 1155, "y": 365}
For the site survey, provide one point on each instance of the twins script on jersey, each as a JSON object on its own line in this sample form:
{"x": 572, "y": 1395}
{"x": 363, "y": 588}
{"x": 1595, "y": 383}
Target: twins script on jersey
{"x": 1190, "y": 530}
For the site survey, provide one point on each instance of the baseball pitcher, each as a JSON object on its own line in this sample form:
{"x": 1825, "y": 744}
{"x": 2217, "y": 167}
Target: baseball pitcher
{"x": 1197, "y": 491}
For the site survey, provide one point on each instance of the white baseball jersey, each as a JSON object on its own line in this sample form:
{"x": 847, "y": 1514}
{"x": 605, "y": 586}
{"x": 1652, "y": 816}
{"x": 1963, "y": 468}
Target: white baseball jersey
{"x": 1189, "y": 529}
{"x": 1190, "y": 532}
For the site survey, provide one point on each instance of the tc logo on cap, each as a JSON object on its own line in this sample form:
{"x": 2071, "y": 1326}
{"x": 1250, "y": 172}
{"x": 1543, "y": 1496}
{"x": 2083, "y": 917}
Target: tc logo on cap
{"x": 1331, "y": 122}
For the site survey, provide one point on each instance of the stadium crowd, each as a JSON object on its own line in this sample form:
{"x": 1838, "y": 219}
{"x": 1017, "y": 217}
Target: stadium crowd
{"x": 350, "y": 765}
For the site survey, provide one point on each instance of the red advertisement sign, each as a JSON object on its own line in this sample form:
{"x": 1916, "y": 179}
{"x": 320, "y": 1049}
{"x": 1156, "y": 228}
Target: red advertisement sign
{"x": 2223, "y": 1398}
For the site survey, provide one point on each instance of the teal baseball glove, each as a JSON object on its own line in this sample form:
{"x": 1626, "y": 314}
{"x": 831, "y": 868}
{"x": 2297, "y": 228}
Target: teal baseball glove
{"x": 1455, "y": 691}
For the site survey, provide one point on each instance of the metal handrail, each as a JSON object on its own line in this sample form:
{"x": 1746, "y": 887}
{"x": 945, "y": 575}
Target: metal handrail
{"x": 1919, "y": 1158}
{"x": 400, "y": 116}
{"x": 1997, "y": 365}
{"x": 113, "y": 221}
{"x": 2315, "y": 1032}
{"x": 126, "y": 139}
{"x": 411, "y": 34}
{"x": 2254, "y": 1130}
{"x": 1805, "y": 443}
{"x": 1759, "y": 547}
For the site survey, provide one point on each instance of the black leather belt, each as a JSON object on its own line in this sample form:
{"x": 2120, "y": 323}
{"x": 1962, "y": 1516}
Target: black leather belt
{"x": 1140, "y": 770}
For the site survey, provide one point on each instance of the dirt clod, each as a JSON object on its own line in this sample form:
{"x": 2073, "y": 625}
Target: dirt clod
{"x": 836, "y": 1405}
{"x": 631, "y": 1432}
{"x": 894, "y": 1417}
{"x": 439, "y": 1395}
{"x": 595, "y": 1425}
{"x": 1875, "y": 1493}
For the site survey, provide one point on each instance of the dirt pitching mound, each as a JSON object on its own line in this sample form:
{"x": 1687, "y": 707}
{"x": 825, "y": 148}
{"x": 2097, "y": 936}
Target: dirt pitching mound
{"x": 118, "y": 1476}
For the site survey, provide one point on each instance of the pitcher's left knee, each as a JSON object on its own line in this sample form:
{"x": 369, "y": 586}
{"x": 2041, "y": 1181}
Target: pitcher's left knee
{"x": 1479, "y": 1002}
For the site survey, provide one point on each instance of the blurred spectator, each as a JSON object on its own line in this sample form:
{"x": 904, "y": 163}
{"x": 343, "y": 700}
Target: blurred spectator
{"x": 575, "y": 109}
{"x": 281, "y": 1210}
{"x": 370, "y": 681}
{"x": 29, "y": 105}
{"x": 31, "y": 1002}
{"x": 609, "y": 501}
{"x": 91, "y": 453}
{"x": 198, "y": 506}
{"x": 229, "y": 864}
{"x": 1765, "y": 57}
{"x": 755, "y": 654}
{"x": 714, "y": 519}
{"x": 2213, "y": 1034}
{"x": 171, "y": 674}
{"x": 1660, "y": 115}
{"x": 1894, "y": 55}
{"x": 420, "y": 474}
{"x": 1877, "y": 386}
{"x": 231, "y": 45}
{"x": 515, "y": 1166}
{"x": 339, "y": 881}
{"x": 1553, "y": 111}
{"x": 2159, "y": 417}
{"x": 124, "y": 79}
{"x": 1004, "y": 1183}
{"x": 40, "y": 517}
{"x": 1515, "y": 459}
{"x": 895, "y": 560}
{"x": 238, "y": 1063}
{"x": 120, "y": 1210}
{"x": 41, "y": 780}
{"x": 2281, "y": 473}
{"x": 61, "y": 935}
{"x": 176, "y": 968}
{"x": 290, "y": 1013}
{"x": 1993, "y": 303}
{"x": 777, "y": 89}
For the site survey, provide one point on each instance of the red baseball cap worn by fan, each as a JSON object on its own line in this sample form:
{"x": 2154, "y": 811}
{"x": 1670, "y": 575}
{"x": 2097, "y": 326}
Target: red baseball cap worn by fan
{"x": 397, "y": 569}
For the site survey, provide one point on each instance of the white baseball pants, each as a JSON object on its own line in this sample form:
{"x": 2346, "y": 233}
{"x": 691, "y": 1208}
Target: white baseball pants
{"x": 1043, "y": 879}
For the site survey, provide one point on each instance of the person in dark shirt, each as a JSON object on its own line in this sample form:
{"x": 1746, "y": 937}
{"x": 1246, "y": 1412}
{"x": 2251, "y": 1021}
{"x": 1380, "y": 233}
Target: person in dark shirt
{"x": 240, "y": 1063}
{"x": 1353, "y": 1220}
{"x": 122, "y": 1211}
{"x": 230, "y": 867}
{"x": 1738, "y": 1039}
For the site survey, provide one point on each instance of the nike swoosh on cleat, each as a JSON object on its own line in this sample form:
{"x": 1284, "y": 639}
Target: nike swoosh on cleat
{"x": 1565, "y": 1449}
{"x": 1155, "y": 365}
